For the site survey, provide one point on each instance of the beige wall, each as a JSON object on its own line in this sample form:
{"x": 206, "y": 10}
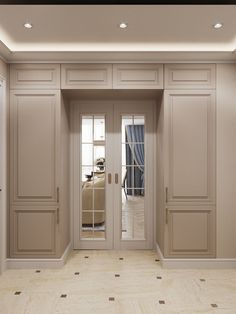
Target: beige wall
{"x": 3, "y": 165}
{"x": 64, "y": 176}
{"x": 226, "y": 160}
{"x": 3, "y": 69}
{"x": 160, "y": 202}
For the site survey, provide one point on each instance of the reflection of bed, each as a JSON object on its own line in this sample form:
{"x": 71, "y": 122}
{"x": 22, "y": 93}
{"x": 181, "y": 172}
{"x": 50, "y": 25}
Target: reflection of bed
{"x": 93, "y": 197}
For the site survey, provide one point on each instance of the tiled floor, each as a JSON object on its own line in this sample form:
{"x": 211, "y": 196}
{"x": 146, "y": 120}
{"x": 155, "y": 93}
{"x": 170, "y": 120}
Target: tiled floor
{"x": 107, "y": 282}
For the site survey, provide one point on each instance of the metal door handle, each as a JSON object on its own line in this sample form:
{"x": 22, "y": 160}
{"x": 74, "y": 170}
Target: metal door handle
{"x": 58, "y": 195}
{"x": 167, "y": 215}
{"x": 58, "y": 216}
{"x": 109, "y": 178}
{"x": 166, "y": 195}
{"x": 116, "y": 178}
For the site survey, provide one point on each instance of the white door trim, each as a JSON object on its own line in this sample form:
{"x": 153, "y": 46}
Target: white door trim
{"x": 146, "y": 108}
{"x": 78, "y": 108}
{"x": 75, "y": 169}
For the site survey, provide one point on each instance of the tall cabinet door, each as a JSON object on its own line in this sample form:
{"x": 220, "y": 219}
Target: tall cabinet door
{"x": 34, "y": 141}
{"x": 190, "y": 172}
{"x": 34, "y": 148}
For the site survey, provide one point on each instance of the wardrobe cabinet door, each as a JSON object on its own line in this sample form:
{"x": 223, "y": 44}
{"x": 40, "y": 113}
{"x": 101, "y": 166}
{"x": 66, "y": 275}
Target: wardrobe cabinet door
{"x": 35, "y": 76}
{"x": 190, "y": 76}
{"x": 34, "y": 123}
{"x": 86, "y": 76}
{"x": 34, "y": 231}
{"x": 137, "y": 76}
{"x": 190, "y": 232}
{"x": 190, "y": 147}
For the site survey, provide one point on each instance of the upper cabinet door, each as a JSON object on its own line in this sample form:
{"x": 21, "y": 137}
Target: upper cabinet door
{"x": 190, "y": 76}
{"x": 190, "y": 146}
{"x": 138, "y": 76}
{"x": 35, "y": 76}
{"x": 34, "y": 141}
{"x": 86, "y": 76}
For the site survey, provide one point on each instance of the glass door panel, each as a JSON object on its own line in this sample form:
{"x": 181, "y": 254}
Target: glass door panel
{"x": 93, "y": 187}
{"x": 115, "y": 186}
{"x": 133, "y": 177}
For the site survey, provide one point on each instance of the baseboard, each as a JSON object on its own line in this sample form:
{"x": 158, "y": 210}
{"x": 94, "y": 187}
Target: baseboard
{"x": 39, "y": 263}
{"x": 195, "y": 263}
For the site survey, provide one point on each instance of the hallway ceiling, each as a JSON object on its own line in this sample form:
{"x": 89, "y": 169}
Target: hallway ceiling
{"x": 66, "y": 32}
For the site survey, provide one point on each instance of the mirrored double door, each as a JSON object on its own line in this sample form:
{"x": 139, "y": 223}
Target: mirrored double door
{"x": 115, "y": 154}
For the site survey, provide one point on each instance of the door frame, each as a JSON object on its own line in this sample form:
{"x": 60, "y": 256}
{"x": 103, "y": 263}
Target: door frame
{"x": 75, "y": 179}
{"x": 3, "y": 175}
{"x": 76, "y": 113}
{"x": 147, "y": 108}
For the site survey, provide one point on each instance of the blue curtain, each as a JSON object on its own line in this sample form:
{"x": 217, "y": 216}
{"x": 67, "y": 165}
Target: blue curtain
{"x": 135, "y": 152}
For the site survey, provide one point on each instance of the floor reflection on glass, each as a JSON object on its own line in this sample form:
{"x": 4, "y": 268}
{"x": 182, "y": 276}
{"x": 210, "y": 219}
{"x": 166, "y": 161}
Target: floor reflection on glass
{"x": 132, "y": 217}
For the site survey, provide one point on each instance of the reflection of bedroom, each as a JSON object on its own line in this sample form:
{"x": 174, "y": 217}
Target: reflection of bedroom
{"x": 93, "y": 177}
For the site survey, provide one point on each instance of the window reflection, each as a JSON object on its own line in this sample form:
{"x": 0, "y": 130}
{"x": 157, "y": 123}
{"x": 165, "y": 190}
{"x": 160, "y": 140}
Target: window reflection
{"x": 133, "y": 174}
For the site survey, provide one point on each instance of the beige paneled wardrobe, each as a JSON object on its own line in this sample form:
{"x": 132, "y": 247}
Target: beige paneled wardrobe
{"x": 39, "y": 163}
{"x": 185, "y": 153}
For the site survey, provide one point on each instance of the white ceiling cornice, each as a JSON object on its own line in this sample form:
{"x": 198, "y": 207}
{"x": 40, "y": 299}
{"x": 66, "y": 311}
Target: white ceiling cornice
{"x": 118, "y": 57}
{"x": 9, "y": 56}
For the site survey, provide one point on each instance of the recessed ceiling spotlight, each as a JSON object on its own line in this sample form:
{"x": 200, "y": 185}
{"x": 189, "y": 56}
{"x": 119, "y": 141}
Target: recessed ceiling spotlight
{"x": 123, "y": 25}
{"x": 218, "y": 25}
{"x": 28, "y": 25}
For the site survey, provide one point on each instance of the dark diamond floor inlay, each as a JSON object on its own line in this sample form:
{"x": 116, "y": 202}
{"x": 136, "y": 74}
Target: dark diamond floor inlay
{"x": 161, "y": 302}
{"x": 157, "y": 260}
{"x": 86, "y": 257}
{"x": 159, "y": 277}
{"x": 202, "y": 279}
{"x": 111, "y": 299}
{"x": 63, "y": 295}
{"x": 17, "y": 292}
{"x": 121, "y": 258}
{"x": 117, "y": 275}
{"x": 77, "y": 273}
{"x": 214, "y": 305}
{"x": 38, "y": 271}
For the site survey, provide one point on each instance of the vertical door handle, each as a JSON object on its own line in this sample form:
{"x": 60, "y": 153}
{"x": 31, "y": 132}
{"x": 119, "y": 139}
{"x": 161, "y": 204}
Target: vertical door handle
{"x": 58, "y": 216}
{"x": 58, "y": 196}
{"x": 167, "y": 215}
{"x": 116, "y": 178}
{"x": 166, "y": 194}
{"x": 109, "y": 178}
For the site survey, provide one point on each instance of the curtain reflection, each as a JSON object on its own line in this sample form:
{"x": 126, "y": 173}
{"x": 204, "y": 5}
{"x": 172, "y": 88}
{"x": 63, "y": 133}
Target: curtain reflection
{"x": 135, "y": 157}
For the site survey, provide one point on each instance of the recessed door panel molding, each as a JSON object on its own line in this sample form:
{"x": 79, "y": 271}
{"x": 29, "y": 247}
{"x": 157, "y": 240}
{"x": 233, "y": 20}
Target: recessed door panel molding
{"x": 34, "y": 145}
{"x": 137, "y": 76}
{"x": 190, "y": 232}
{"x": 86, "y": 76}
{"x": 190, "y": 76}
{"x": 190, "y": 146}
{"x": 35, "y": 76}
{"x": 33, "y": 231}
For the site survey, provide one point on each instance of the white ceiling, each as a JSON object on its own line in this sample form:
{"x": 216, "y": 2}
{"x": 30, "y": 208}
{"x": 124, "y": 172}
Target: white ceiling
{"x": 71, "y": 30}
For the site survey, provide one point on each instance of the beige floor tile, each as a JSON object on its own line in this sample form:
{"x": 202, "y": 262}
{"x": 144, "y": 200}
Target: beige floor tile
{"x": 136, "y": 290}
